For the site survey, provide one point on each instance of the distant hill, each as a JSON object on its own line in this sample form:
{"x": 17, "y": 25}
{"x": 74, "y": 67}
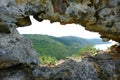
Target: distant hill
{"x": 59, "y": 47}
{"x": 95, "y": 41}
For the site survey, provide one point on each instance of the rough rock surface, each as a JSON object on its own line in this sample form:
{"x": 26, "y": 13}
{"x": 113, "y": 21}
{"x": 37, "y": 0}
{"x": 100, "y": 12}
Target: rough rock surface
{"x": 15, "y": 49}
{"x": 17, "y": 72}
{"x": 99, "y": 67}
{"x": 101, "y": 16}
{"x": 17, "y": 58}
{"x": 19, "y": 62}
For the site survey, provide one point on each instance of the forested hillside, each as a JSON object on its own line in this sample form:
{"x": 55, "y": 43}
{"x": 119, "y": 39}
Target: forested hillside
{"x": 59, "y": 47}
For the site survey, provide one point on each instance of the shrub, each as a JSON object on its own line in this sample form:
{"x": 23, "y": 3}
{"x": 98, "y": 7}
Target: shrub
{"x": 47, "y": 60}
{"x": 86, "y": 50}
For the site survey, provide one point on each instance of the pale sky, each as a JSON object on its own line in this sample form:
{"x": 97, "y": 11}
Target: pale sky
{"x": 55, "y": 29}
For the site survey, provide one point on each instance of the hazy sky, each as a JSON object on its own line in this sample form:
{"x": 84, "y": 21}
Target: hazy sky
{"x": 55, "y": 29}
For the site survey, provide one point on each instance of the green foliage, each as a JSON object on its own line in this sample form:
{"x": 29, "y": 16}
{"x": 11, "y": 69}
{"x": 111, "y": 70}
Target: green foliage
{"x": 49, "y": 47}
{"x": 52, "y": 48}
{"x": 47, "y": 60}
{"x": 86, "y": 50}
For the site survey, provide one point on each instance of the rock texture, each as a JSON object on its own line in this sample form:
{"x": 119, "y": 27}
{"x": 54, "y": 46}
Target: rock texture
{"x": 15, "y": 49}
{"x": 19, "y": 62}
{"x": 17, "y": 72}
{"x": 17, "y": 58}
{"x": 95, "y": 15}
{"x": 99, "y": 67}
{"x": 100, "y": 16}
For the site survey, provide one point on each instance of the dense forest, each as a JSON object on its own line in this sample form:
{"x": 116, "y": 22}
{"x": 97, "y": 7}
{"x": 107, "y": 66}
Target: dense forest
{"x": 56, "y": 48}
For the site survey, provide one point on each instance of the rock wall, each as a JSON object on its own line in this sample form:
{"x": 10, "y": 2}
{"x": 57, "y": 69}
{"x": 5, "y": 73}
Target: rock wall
{"x": 18, "y": 61}
{"x": 17, "y": 58}
{"x": 100, "y": 16}
{"x": 99, "y": 67}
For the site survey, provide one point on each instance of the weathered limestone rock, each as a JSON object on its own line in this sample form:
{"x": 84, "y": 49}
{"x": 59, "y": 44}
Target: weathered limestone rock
{"x": 100, "y": 16}
{"x": 17, "y": 72}
{"x": 99, "y": 67}
{"x": 15, "y": 49}
{"x": 19, "y": 62}
{"x": 95, "y": 15}
{"x": 17, "y": 58}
